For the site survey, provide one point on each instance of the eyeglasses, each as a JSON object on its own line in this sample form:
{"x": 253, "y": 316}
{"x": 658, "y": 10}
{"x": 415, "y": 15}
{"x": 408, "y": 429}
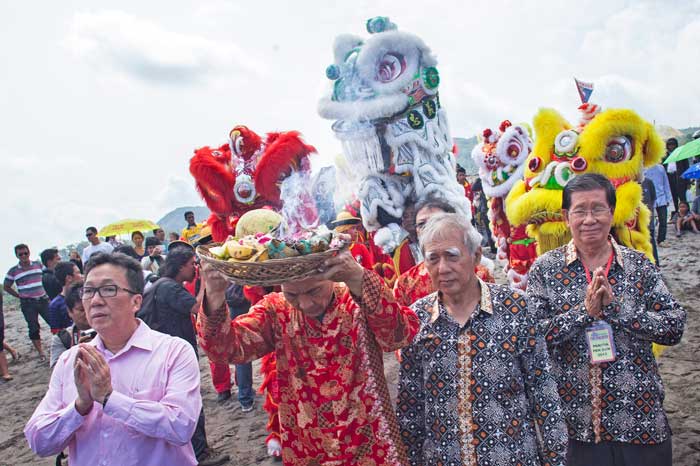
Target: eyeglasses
{"x": 105, "y": 291}
{"x": 87, "y": 235}
{"x": 22, "y": 254}
{"x": 597, "y": 212}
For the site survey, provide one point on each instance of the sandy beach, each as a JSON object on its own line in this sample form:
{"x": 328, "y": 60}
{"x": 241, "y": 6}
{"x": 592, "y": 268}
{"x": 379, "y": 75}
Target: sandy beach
{"x": 241, "y": 435}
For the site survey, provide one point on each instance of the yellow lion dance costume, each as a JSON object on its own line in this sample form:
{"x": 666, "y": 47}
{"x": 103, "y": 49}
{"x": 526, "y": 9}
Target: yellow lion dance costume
{"x": 616, "y": 143}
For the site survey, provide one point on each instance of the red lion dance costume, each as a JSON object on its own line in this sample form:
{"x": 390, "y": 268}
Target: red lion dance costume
{"x": 243, "y": 175}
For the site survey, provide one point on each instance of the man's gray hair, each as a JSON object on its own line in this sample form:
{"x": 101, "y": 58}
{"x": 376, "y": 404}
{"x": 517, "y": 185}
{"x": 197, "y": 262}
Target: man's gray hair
{"x": 440, "y": 225}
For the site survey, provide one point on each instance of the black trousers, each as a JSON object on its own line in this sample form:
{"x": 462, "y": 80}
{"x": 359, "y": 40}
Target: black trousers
{"x": 199, "y": 438}
{"x": 662, "y": 212}
{"x": 32, "y": 309}
{"x": 618, "y": 454}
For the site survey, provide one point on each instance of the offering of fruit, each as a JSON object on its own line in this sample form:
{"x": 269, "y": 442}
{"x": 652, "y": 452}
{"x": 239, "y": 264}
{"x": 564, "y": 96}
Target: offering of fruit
{"x": 261, "y": 247}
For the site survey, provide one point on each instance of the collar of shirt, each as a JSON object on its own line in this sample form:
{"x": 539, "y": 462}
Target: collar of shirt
{"x": 140, "y": 339}
{"x": 571, "y": 254}
{"x": 485, "y": 303}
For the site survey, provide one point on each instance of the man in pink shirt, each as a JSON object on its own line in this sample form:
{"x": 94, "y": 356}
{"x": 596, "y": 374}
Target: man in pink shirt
{"x": 129, "y": 397}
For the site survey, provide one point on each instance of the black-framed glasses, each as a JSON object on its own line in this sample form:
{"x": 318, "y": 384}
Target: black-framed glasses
{"x": 89, "y": 234}
{"x": 105, "y": 291}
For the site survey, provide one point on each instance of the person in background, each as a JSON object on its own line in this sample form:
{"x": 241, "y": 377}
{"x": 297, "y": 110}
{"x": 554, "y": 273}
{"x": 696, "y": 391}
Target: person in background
{"x": 649, "y": 199}
{"x": 160, "y": 234}
{"x": 600, "y": 306}
{"x": 74, "y": 257}
{"x": 66, "y": 274}
{"x": 95, "y": 245}
{"x": 674, "y": 171}
{"x": 238, "y": 305}
{"x": 113, "y": 241}
{"x": 191, "y": 232}
{"x": 79, "y": 332}
{"x": 49, "y": 257}
{"x": 131, "y": 396}
{"x": 154, "y": 255}
{"x": 174, "y": 308}
{"x": 173, "y": 237}
{"x": 26, "y": 277}
{"x": 137, "y": 239}
{"x": 664, "y": 197}
{"x": 695, "y": 210}
{"x": 462, "y": 180}
{"x": 685, "y": 220}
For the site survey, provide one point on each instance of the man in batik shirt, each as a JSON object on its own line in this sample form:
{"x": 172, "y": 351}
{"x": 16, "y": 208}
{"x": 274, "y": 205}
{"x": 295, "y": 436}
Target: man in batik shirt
{"x": 475, "y": 383}
{"x": 334, "y": 404}
{"x": 600, "y": 307}
{"x": 415, "y": 283}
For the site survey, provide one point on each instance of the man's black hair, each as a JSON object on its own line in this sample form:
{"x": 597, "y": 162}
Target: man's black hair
{"x": 189, "y": 212}
{"x": 47, "y": 255}
{"x": 91, "y": 230}
{"x": 63, "y": 270}
{"x": 132, "y": 269}
{"x": 460, "y": 169}
{"x": 175, "y": 261}
{"x": 21, "y": 246}
{"x": 73, "y": 294}
{"x": 153, "y": 241}
{"x": 672, "y": 140}
{"x": 588, "y": 182}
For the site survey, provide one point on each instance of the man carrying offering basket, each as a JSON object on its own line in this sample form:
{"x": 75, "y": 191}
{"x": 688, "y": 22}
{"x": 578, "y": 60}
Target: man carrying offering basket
{"x": 328, "y": 333}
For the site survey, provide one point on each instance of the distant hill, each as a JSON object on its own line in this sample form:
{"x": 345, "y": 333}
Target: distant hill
{"x": 464, "y": 154}
{"x": 174, "y": 221}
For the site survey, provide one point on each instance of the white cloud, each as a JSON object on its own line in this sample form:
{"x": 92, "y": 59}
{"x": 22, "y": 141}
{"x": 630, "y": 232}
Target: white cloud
{"x": 142, "y": 49}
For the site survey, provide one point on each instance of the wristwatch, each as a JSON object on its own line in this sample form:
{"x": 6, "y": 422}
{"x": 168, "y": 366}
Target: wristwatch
{"x": 104, "y": 401}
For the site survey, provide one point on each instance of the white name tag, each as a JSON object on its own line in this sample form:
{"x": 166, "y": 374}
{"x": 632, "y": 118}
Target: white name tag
{"x": 601, "y": 345}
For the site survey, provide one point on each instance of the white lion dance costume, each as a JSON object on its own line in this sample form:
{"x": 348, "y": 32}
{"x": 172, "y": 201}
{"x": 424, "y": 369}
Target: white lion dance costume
{"x": 393, "y": 129}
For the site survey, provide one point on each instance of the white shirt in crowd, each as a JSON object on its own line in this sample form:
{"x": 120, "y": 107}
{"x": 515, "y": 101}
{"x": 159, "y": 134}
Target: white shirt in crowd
{"x": 95, "y": 248}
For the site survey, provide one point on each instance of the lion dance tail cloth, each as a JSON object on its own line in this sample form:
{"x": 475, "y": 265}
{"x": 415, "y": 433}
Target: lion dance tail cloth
{"x": 501, "y": 157}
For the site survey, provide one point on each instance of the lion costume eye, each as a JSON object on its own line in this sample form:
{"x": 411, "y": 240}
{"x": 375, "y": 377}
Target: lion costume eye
{"x": 619, "y": 149}
{"x": 565, "y": 142}
{"x": 390, "y": 67}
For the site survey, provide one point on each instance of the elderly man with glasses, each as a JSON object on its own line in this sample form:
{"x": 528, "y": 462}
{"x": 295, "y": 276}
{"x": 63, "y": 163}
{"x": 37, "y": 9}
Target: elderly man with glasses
{"x": 130, "y": 396}
{"x": 600, "y": 307}
{"x": 474, "y": 385}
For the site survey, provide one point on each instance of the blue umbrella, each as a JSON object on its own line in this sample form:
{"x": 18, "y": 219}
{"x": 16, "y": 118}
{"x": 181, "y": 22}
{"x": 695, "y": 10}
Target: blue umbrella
{"x": 692, "y": 173}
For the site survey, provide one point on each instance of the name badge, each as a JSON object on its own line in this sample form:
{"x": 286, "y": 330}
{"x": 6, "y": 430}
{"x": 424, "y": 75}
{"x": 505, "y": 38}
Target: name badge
{"x": 601, "y": 345}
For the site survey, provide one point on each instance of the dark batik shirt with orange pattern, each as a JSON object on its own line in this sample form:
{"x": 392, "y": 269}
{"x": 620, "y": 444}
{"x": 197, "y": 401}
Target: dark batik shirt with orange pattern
{"x": 619, "y": 401}
{"x": 334, "y": 404}
{"x": 472, "y": 395}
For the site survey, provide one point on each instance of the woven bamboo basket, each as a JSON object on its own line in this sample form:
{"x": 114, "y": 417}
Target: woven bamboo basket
{"x": 270, "y": 272}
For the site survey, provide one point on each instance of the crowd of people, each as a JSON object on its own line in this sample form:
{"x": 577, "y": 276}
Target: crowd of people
{"x": 560, "y": 374}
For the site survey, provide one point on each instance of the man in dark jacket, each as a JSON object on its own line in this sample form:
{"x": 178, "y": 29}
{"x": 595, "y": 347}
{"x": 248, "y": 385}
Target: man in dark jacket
{"x": 49, "y": 258}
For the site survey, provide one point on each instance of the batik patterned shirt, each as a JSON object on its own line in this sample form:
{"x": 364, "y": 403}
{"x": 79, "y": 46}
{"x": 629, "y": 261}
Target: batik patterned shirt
{"x": 334, "y": 404}
{"x": 619, "y": 401}
{"x": 471, "y": 395}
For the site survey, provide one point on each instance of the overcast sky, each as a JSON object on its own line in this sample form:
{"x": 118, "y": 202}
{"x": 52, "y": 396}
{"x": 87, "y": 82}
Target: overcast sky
{"x": 102, "y": 103}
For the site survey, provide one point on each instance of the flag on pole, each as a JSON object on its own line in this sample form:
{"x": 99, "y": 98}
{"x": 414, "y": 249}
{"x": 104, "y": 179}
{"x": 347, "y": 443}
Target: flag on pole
{"x": 584, "y": 90}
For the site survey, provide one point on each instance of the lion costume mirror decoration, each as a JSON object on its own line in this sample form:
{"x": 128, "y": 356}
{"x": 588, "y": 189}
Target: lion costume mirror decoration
{"x": 394, "y": 132}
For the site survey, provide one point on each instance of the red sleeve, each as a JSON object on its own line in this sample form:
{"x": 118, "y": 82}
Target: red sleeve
{"x": 244, "y": 339}
{"x": 392, "y": 324}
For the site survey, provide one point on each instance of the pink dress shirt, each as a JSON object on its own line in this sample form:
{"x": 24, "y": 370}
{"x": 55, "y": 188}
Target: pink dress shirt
{"x": 149, "y": 418}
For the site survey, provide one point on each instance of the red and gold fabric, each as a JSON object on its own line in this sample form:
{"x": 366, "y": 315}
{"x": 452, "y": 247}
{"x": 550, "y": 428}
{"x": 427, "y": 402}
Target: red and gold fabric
{"x": 334, "y": 401}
